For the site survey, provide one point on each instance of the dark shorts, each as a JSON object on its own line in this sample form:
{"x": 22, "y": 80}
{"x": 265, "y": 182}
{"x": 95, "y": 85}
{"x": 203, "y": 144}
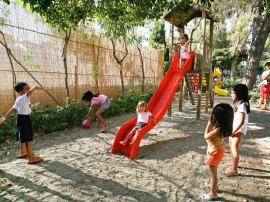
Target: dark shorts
{"x": 140, "y": 125}
{"x": 24, "y": 126}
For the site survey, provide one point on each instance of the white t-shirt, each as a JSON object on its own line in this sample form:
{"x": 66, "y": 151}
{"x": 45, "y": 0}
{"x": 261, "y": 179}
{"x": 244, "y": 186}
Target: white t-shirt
{"x": 143, "y": 117}
{"x": 241, "y": 108}
{"x": 23, "y": 105}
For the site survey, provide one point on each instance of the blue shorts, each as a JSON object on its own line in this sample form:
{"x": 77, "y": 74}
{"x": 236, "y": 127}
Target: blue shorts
{"x": 24, "y": 126}
{"x": 105, "y": 104}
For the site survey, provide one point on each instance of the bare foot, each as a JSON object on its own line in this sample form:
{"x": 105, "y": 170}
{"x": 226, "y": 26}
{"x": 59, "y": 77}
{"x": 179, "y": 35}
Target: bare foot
{"x": 104, "y": 130}
{"x": 258, "y": 106}
{"x": 22, "y": 155}
{"x": 35, "y": 159}
{"x": 123, "y": 142}
{"x": 230, "y": 173}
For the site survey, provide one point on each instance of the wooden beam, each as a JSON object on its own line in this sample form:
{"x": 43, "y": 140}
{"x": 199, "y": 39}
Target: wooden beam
{"x": 201, "y": 69}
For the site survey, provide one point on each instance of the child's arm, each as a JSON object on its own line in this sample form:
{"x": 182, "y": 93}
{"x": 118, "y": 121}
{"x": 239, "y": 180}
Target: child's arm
{"x": 240, "y": 123}
{"x": 30, "y": 92}
{"x": 90, "y": 112}
{"x": 265, "y": 74}
{"x": 2, "y": 120}
{"x": 209, "y": 133}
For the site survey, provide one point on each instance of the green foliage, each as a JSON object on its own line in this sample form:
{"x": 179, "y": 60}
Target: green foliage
{"x": 157, "y": 38}
{"x": 228, "y": 83}
{"x": 222, "y": 58}
{"x": 254, "y": 95}
{"x": 8, "y": 129}
{"x": 2, "y": 21}
{"x": 62, "y": 117}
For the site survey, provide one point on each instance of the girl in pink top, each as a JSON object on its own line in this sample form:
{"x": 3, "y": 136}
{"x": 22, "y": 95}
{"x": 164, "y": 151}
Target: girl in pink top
{"x": 95, "y": 101}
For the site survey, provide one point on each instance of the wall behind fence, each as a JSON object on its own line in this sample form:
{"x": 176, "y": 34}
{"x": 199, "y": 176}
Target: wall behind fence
{"x": 39, "y": 48}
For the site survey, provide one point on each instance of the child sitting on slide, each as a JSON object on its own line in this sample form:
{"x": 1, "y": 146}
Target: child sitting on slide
{"x": 142, "y": 120}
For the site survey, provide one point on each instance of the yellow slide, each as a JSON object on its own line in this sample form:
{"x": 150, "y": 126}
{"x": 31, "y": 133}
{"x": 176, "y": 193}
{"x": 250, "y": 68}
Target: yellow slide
{"x": 220, "y": 91}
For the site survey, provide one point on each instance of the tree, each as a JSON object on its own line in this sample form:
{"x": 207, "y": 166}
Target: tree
{"x": 260, "y": 32}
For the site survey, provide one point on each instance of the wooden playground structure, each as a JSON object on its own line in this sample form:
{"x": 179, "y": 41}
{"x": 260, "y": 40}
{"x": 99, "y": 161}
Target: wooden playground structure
{"x": 202, "y": 63}
{"x": 161, "y": 100}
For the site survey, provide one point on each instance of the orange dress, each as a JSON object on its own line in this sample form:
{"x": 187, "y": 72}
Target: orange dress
{"x": 215, "y": 150}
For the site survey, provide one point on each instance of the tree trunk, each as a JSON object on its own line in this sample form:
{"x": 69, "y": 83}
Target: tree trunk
{"x": 64, "y": 55}
{"x": 260, "y": 32}
{"x": 142, "y": 66}
{"x": 96, "y": 68}
{"x": 233, "y": 67}
{"x": 14, "y": 80}
{"x": 119, "y": 62}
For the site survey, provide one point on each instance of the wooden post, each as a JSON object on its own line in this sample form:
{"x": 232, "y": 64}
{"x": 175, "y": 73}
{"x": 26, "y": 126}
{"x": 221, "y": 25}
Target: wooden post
{"x": 201, "y": 66}
{"x": 189, "y": 85}
{"x": 211, "y": 87}
{"x": 206, "y": 93}
{"x": 171, "y": 58}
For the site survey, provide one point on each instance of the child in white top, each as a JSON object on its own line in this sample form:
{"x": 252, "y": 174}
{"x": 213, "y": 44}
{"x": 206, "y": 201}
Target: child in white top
{"x": 241, "y": 114}
{"x": 24, "y": 124}
{"x": 142, "y": 120}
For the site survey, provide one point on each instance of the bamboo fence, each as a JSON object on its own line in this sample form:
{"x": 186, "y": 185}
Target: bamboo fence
{"x": 39, "y": 48}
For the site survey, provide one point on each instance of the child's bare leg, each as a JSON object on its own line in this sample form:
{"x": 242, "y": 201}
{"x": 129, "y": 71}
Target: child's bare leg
{"x": 32, "y": 157}
{"x": 235, "y": 145}
{"x": 213, "y": 181}
{"x": 265, "y": 103}
{"x": 23, "y": 152}
{"x": 101, "y": 120}
{"x": 124, "y": 142}
{"x": 260, "y": 103}
{"x": 134, "y": 138}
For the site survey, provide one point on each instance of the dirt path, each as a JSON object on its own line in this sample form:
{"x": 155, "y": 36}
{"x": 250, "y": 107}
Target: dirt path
{"x": 170, "y": 165}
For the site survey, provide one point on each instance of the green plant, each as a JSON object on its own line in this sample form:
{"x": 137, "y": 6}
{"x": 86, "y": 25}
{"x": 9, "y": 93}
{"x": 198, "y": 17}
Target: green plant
{"x": 48, "y": 120}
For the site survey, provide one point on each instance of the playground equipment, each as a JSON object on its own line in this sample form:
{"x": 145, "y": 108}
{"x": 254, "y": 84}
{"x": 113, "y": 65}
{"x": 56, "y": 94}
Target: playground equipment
{"x": 158, "y": 105}
{"x": 217, "y": 78}
{"x": 162, "y": 98}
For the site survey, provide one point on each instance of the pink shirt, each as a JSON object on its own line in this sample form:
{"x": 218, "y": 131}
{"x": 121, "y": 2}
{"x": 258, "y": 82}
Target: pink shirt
{"x": 99, "y": 99}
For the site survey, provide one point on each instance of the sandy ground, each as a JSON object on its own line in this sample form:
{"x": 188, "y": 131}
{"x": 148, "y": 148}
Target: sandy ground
{"x": 170, "y": 165}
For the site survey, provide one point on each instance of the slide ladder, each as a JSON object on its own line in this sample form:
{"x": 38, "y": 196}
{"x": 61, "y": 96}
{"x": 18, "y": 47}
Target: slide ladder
{"x": 158, "y": 105}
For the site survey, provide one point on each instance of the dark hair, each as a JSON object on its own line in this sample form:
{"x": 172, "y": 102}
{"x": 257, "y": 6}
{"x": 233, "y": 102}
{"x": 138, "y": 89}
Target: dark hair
{"x": 19, "y": 86}
{"x": 241, "y": 91}
{"x": 185, "y": 36}
{"x": 88, "y": 95}
{"x": 267, "y": 64}
{"x": 222, "y": 116}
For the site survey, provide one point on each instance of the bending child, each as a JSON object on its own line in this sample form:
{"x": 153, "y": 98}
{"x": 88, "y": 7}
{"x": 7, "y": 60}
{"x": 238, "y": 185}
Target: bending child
{"x": 97, "y": 100}
{"x": 142, "y": 120}
{"x": 218, "y": 128}
{"x": 24, "y": 124}
{"x": 241, "y": 114}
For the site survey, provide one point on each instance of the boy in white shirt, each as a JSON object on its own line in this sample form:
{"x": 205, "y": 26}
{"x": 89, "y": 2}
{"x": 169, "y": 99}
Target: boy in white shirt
{"x": 24, "y": 124}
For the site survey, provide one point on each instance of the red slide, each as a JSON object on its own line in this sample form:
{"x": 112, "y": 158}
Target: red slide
{"x": 158, "y": 105}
